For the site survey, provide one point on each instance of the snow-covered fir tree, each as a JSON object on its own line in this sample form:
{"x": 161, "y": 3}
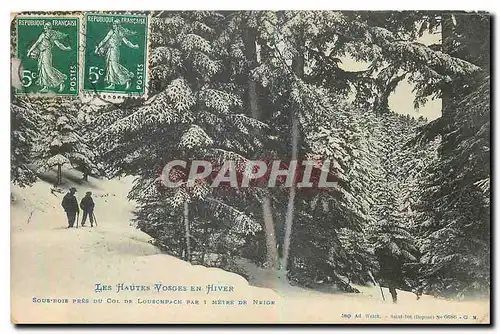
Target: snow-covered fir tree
{"x": 25, "y": 130}
{"x": 61, "y": 142}
{"x": 391, "y": 233}
{"x": 453, "y": 211}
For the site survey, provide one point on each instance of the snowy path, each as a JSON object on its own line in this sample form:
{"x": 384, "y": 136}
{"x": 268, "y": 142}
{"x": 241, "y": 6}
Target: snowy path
{"x": 50, "y": 261}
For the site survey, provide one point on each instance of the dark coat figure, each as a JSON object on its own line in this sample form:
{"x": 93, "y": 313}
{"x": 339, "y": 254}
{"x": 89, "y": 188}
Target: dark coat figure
{"x": 70, "y": 205}
{"x": 87, "y": 205}
{"x": 391, "y": 271}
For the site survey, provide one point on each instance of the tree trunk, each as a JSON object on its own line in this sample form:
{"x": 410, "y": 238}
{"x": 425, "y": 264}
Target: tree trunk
{"x": 59, "y": 175}
{"x": 298, "y": 70}
{"x": 206, "y": 238}
{"x": 251, "y": 55}
{"x": 291, "y": 198}
{"x": 394, "y": 293}
{"x": 186, "y": 225}
{"x": 447, "y": 26}
{"x": 272, "y": 255}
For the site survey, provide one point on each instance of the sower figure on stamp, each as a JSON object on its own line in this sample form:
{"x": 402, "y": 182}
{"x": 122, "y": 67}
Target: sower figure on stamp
{"x": 87, "y": 206}
{"x": 70, "y": 205}
{"x": 109, "y": 47}
{"x": 48, "y": 75}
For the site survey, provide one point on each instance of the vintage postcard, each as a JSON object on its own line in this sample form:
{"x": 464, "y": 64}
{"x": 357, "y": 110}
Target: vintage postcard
{"x": 250, "y": 167}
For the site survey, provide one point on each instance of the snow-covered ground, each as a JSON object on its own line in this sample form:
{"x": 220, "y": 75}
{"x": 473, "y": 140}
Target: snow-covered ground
{"x": 50, "y": 261}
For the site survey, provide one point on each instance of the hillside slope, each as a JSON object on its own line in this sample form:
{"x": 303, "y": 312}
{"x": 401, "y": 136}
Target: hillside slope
{"x": 50, "y": 261}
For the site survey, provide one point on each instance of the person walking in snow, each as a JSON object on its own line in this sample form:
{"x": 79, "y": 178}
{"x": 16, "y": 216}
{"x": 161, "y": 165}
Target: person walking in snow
{"x": 70, "y": 205}
{"x": 87, "y": 206}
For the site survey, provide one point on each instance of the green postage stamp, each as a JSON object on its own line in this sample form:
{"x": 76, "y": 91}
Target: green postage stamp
{"x": 115, "y": 59}
{"x": 48, "y": 48}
